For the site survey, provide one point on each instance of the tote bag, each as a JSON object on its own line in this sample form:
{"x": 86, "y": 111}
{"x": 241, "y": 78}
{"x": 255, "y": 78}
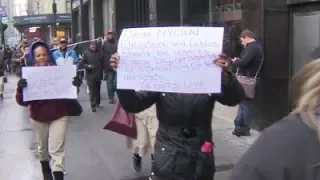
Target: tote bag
{"x": 122, "y": 123}
{"x": 249, "y": 83}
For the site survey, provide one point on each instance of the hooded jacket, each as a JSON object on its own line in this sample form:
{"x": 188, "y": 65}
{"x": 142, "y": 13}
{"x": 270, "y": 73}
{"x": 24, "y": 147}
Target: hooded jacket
{"x": 43, "y": 110}
{"x": 70, "y": 57}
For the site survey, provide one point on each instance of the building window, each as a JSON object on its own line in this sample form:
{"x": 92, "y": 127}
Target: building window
{"x": 197, "y": 7}
{"x": 68, "y": 5}
{"x": 61, "y": 34}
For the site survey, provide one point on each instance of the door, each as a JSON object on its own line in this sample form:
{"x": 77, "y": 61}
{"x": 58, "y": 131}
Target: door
{"x": 305, "y": 38}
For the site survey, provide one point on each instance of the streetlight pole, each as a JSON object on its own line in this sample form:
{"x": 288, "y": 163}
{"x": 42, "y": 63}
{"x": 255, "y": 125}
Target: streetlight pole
{"x": 54, "y": 11}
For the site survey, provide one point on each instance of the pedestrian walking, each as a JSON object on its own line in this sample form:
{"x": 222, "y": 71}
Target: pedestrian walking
{"x": 7, "y": 57}
{"x": 147, "y": 126}
{"x": 49, "y": 118}
{"x": 65, "y": 56}
{"x": 93, "y": 62}
{"x": 2, "y": 72}
{"x": 109, "y": 47}
{"x": 184, "y": 146}
{"x": 289, "y": 149}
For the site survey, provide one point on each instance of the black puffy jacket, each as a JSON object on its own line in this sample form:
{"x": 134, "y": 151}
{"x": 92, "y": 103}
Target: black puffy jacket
{"x": 183, "y": 110}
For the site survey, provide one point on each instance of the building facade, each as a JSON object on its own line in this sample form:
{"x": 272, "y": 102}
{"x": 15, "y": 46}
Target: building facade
{"x": 11, "y": 35}
{"x": 287, "y": 29}
{"x": 42, "y": 23}
{"x": 99, "y": 15}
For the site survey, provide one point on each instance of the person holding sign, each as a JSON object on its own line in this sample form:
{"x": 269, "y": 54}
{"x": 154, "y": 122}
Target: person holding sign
{"x": 48, "y": 117}
{"x": 184, "y": 146}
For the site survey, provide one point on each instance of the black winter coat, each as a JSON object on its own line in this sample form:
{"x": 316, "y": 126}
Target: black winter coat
{"x": 109, "y": 48}
{"x": 182, "y": 110}
{"x": 94, "y": 58}
{"x": 288, "y": 150}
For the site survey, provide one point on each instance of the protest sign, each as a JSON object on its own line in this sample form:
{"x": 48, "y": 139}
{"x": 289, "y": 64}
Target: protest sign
{"x": 170, "y": 59}
{"x": 49, "y": 82}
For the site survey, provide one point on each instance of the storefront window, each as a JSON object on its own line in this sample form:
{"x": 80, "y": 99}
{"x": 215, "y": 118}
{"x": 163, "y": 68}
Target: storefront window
{"x": 61, "y": 34}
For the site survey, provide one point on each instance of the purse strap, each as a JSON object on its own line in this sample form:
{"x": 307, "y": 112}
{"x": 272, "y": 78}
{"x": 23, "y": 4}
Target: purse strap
{"x": 258, "y": 70}
{"x": 260, "y": 67}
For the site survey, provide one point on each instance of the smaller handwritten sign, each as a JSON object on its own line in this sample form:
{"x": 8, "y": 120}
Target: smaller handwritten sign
{"x": 170, "y": 59}
{"x": 50, "y": 82}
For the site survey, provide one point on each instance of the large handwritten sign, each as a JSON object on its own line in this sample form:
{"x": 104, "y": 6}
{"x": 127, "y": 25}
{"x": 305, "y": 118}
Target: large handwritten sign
{"x": 50, "y": 82}
{"x": 170, "y": 59}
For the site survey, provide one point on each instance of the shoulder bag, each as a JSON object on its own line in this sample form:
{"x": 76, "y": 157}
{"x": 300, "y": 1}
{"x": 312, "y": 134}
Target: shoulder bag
{"x": 249, "y": 83}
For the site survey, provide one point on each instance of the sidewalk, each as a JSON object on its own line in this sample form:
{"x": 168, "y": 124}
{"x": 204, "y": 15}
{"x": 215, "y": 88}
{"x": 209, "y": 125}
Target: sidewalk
{"x": 225, "y": 112}
{"x": 88, "y": 146}
{"x": 229, "y": 148}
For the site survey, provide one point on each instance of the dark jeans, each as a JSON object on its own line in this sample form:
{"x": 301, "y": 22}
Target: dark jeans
{"x": 245, "y": 111}
{"x": 95, "y": 89}
{"x": 244, "y": 115}
{"x": 178, "y": 156}
{"x": 111, "y": 83}
{"x": 8, "y": 65}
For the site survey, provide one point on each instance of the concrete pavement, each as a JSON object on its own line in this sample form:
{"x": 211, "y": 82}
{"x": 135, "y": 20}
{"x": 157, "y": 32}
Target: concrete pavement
{"x": 93, "y": 153}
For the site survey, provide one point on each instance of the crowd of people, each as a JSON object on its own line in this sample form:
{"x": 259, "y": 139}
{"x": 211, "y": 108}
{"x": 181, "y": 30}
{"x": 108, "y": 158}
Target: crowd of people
{"x": 173, "y": 128}
{"x": 174, "y": 139}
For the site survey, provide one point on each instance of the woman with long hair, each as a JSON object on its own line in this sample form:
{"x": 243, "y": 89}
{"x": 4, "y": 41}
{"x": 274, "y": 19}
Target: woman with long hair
{"x": 289, "y": 149}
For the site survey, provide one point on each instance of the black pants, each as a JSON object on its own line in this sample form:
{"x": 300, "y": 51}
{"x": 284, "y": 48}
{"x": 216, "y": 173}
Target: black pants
{"x": 178, "y": 154}
{"x": 8, "y": 65}
{"x": 94, "y": 88}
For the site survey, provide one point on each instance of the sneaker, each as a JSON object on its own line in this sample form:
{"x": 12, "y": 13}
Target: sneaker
{"x": 111, "y": 101}
{"x": 94, "y": 109}
{"x": 152, "y": 176}
{"x": 238, "y": 131}
{"x": 136, "y": 163}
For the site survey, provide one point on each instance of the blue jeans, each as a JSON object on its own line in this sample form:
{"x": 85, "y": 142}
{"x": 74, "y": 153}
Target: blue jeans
{"x": 244, "y": 115}
{"x": 111, "y": 83}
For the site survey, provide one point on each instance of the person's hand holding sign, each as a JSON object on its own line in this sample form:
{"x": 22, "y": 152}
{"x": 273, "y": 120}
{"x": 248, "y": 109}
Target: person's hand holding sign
{"x": 222, "y": 61}
{"x": 114, "y": 61}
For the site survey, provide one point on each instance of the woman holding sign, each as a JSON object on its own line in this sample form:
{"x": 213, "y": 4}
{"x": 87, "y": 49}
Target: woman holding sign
{"x": 48, "y": 117}
{"x": 184, "y": 146}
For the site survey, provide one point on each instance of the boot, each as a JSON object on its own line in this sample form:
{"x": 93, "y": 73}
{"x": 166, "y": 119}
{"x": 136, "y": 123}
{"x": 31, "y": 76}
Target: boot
{"x": 58, "y": 175}
{"x": 239, "y": 131}
{"x": 46, "y": 170}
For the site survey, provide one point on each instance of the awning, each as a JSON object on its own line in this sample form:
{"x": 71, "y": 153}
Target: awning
{"x": 42, "y": 19}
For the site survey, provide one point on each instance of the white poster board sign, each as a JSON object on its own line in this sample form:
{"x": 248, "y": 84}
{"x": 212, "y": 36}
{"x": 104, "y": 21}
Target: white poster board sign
{"x": 170, "y": 59}
{"x": 49, "y": 82}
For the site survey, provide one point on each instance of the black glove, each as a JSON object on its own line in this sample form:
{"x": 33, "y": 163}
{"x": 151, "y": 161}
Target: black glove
{"x": 76, "y": 81}
{"x": 22, "y": 83}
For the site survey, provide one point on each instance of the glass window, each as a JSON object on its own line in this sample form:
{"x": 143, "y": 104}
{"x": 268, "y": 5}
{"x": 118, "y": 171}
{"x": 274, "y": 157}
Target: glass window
{"x": 61, "y": 34}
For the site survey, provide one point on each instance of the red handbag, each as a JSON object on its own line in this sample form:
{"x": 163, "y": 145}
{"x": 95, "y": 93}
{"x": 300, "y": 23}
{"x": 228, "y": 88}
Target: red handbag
{"x": 122, "y": 122}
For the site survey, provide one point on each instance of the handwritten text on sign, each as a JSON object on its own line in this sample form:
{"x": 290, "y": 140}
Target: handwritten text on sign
{"x": 170, "y": 59}
{"x": 50, "y": 82}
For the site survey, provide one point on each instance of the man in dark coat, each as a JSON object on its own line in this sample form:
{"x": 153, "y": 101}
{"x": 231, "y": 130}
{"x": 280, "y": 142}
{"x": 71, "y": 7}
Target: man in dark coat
{"x": 93, "y": 62}
{"x": 109, "y": 47}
